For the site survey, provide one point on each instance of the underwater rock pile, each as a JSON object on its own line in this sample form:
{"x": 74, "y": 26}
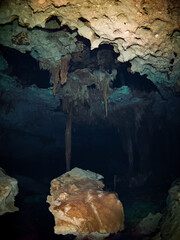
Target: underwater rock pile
{"x": 8, "y": 191}
{"x": 82, "y": 208}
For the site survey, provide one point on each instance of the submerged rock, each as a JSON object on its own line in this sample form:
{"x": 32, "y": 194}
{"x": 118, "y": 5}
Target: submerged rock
{"x": 8, "y": 191}
{"x": 82, "y": 208}
{"x": 170, "y": 225}
{"x": 150, "y": 224}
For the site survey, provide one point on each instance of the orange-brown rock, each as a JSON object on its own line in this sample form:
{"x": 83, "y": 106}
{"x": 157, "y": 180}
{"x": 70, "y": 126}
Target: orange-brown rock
{"x": 82, "y": 208}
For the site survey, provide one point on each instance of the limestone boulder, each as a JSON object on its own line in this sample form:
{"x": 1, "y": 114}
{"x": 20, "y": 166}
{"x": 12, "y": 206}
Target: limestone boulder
{"x": 8, "y": 191}
{"x": 81, "y": 207}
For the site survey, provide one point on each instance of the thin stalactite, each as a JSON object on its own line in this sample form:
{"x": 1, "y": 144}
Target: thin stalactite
{"x": 64, "y": 68}
{"x": 68, "y": 136}
{"x": 104, "y": 88}
{"x": 55, "y": 74}
{"x": 105, "y": 96}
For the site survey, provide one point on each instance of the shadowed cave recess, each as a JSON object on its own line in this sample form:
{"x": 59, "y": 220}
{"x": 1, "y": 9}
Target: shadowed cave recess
{"x": 98, "y": 92}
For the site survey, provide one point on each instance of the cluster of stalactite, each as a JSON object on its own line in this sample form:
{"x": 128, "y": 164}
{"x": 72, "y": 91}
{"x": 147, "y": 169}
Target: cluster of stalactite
{"x": 84, "y": 89}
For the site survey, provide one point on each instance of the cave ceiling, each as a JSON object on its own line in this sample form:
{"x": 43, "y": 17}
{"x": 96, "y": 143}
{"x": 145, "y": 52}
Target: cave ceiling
{"x": 94, "y": 52}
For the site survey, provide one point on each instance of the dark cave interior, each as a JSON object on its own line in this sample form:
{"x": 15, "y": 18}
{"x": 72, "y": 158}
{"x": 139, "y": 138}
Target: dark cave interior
{"x": 26, "y": 76}
{"x": 34, "y": 158}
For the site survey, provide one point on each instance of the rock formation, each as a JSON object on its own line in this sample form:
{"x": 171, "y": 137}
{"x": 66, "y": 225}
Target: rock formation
{"x": 170, "y": 227}
{"x": 149, "y": 224}
{"x": 69, "y": 40}
{"x": 8, "y": 191}
{"x": 146, "y": 33}
{"x": 82, "y": 208}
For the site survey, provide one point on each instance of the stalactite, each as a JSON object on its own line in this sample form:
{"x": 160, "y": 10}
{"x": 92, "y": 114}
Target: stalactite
{"x": 105, "y": 96}
{"x": 104, "y": 85}
{"x": 104, "y": 88}
{"x": 130, "y": 154}
{"x": 55, "y": 75}
{"x": 53, "y": 69}
{"x": 68, "y": 108}
{"x": 127, "y": 144}
{"x": 59, "y": 69}
{"x": 64, "y": 68}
